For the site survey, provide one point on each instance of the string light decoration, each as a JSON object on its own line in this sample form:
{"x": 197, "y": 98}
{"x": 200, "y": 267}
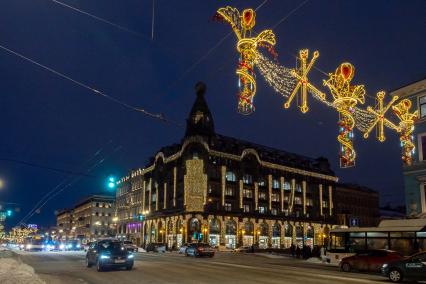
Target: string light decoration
{"x": 380, "y": 120}
{"x": 247, "y": 45}
{"x": 346, "y": 97}
{"x": 278, "y": 77}
{"x": 303, "y": 83}
{"x": 406, "y": 128}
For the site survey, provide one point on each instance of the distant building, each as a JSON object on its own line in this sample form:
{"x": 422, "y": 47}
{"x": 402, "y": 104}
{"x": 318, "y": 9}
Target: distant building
{"x": 226, "y": 191}
{"x": 90, "y": 219}
{"x": 356, "y": 206}
{"x": 415, "y": 175}
{"x": 64, "y": 224}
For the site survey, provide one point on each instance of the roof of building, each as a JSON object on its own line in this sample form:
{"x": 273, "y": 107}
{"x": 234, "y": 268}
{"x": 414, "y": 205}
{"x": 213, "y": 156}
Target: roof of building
{"x": 200, "y": 123}
{"x": 101, "y": 198}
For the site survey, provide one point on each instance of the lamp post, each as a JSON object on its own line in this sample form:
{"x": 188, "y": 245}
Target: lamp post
{"x": 205, "y": 234}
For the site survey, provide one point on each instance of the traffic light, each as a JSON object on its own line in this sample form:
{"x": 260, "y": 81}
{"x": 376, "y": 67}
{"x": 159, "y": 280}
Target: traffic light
{"x": 111, "y": 182}
{"x": 9, "y": 213}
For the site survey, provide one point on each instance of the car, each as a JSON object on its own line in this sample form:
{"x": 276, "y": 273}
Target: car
{"x": 199, "y": 249}
{"x": 368, "y": 260}
{"x": 72, "y": 245}
{"x": 411, "y": 267}
{"x": 156, "y": 247}
{"x": 243, "y": 249}
{"x": 182, "y": 249}
{"x": 130, "y": 246}
{"x": 109, "y": 254}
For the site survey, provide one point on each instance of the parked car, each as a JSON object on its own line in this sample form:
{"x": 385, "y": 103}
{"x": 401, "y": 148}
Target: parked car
{"x": 156, "y": 247}
{"x": 87, "y": 246}
{"x": 130, "y": 246}
{"x": 369, "y": 260}
{"x": 109, "y": 254}
{"x": 183, "y": 248}
{"x": 243, "y": 249}
{"x": 199, "y": 249}
{"x": 412, "y": 268}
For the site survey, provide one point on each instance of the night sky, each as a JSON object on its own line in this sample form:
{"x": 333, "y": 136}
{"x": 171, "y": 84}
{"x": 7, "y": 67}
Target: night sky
{"x": 52, "y": 122}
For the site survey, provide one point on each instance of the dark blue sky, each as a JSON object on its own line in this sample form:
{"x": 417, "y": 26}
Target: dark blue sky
{"x": 50, "y": 121}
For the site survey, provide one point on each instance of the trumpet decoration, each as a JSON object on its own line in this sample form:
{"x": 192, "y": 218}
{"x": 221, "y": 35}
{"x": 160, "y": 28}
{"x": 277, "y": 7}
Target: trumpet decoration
{"x": 295, "y": 84}
{"x": 247, "y": 45}
{"x": 346, "y": 97}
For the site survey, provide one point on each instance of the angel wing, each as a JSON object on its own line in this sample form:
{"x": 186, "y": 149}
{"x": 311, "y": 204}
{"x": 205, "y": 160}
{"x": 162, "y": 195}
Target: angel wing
{"x": 232, "y": 16}
{"x": 266, "y": 36}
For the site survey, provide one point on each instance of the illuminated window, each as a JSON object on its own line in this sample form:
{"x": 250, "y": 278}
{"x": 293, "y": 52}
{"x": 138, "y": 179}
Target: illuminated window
{"x": 247, "y": 179}
{"x": 298, "y": 188}
{"x": 228, "y": 207}
{"x": 262, "y": 209}
{"x": 261, "y": 182}
{"x": 422, "y": 146}
{"x": 287, "y": 186}
{"x": 275, "y": 183}
{"x": 230, "y": 176}
{"x": 422, "y": 106}
{"x": 274, "y": 211}
{"x": 248, "y": 193}
{"x": 246, "y": 208}
{"x": 324, "y": 203}
{"x": 297, "y": 200}
{"x": 229, "y": 191}
{"x": 275, "y": 197}
{"x": 262, "y": 195}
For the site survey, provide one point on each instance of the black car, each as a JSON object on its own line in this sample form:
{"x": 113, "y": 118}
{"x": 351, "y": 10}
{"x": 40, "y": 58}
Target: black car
{"x": 156, "y": 247}
{"x": 199, "y": 249}
{"x": 109, "y": 254}
{"x": 412, "y": 267}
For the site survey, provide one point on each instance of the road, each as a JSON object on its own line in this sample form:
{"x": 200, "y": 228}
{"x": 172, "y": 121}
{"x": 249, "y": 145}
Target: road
{"x": 67, "y": 267}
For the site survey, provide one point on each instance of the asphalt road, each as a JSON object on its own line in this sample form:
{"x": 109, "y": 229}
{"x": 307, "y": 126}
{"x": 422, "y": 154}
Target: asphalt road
{"x": 56, "y": 267}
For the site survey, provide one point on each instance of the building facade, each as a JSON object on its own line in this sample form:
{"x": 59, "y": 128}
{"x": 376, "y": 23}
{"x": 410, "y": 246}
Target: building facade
{"x": 415, "y": 175}
{"x": 357, "y": 206}
{"x": 227, "y": 192}
{"x": 64, "y": 224}
{"x": 90, "y": 219}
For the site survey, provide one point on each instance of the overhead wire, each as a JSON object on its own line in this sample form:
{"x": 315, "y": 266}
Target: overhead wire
{"x": 159, "y": 116}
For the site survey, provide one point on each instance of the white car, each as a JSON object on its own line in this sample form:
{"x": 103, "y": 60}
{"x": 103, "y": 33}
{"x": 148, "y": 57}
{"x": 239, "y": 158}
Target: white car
{"x": 182, "y": 249}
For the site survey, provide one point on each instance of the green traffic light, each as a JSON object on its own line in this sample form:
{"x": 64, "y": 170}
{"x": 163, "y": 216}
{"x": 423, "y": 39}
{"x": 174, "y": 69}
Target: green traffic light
{"x": 9, "y": 213}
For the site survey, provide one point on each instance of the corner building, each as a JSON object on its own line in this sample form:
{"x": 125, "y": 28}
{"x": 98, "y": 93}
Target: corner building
{"x": 226, "y": 191}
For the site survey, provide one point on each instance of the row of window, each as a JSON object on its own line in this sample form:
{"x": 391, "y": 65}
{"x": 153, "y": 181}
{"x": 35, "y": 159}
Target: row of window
{"x": 247, "y": 208}
{"x": 248, "y": 179}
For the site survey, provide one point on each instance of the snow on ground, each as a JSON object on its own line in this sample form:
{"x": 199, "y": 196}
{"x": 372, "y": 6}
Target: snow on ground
{"x": 14, "y": 271}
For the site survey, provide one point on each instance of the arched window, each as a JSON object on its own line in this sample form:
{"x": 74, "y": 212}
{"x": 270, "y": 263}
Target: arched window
{"x": 310, "y": 232}
{"x": 248, "y": 228}
{"x": 298, "y": 187}
{"x": 275, "y": 183}
{"x": 194, "y": 226}
{"x": 214, "y": 227}
{"x": 264, "y": 228}
{"x": 299, "y": 232}
{"x": 276, "y": 230}
{"x": 231, "y": 227}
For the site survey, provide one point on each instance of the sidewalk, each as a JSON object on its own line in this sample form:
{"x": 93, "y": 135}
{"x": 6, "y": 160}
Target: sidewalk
{"x": 14, "y": 271}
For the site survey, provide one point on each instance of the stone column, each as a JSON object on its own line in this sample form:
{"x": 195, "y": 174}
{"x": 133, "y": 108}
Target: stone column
{"x": 270, "y": 191}
{"x": 174, "y": 186}
{"x": 165, "y": 196}
{"x": 330, "y": 197}
{"x": 223, "y": 184}
{"x": 256, "y": 196}
{"x": 150, "y": 194}
{"x": 282, "y": 193}
{"x": 320, "y": 199}
{"x": 157, "y": 197}
{"x": 241, "y": 193}
{"x": 304, "y": 196}
{"x": 143, "y": 195}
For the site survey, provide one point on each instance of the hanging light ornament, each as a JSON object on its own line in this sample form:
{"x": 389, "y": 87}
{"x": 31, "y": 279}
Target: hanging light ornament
{"x": 303, "y": 83}
{"x": 406, "y": 128}
{"x": 346, "y": 97}
{"x": 380, "y": 121}
{"x": 247, "y": 45}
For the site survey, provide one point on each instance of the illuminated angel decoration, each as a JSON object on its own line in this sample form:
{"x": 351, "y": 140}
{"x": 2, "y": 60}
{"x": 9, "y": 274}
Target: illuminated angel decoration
{"x": 247, "y": 45}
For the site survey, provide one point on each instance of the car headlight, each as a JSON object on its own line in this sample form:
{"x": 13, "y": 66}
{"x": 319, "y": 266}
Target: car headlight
{"x": 385, "y": 265}
{"x": 61, "y": 246}
{"x": 43, "y": 246}
{"x": 78, "y": 246}
{"x": 29, "y": 246}
{"x": 130, "y": 256}
{"x": 104, "y": 256}
{"x": 69, "y": 246}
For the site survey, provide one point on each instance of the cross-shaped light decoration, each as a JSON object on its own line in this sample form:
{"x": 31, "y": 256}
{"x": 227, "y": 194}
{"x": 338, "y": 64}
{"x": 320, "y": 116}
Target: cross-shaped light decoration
{"x": 301, "y": 74}
{"x": 406, "y": 128}
{"x": 380, "y": 120}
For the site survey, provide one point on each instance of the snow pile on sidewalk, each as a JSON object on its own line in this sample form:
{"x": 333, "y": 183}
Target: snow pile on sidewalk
{"x": 14, "y": 271}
